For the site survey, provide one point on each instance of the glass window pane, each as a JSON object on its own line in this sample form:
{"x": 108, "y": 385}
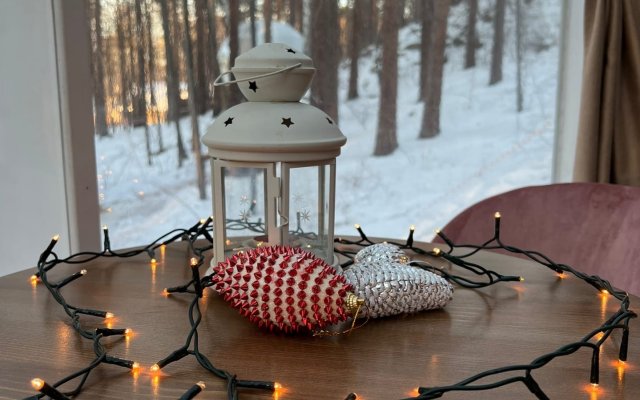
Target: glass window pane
{"x": 244, "y": 204}
{"x": 309, "y": 208}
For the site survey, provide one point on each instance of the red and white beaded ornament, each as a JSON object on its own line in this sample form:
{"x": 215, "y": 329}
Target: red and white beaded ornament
{"x": 286, "y": 289}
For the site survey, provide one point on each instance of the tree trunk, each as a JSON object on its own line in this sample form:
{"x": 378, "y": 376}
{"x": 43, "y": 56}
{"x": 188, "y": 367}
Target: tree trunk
{"x": 267, "y": 12}
{"x": 431, "y": 114}
{"x": 218, "y": 93}
{"x": 191, "y": 87}
{"x": 252, "y": 20}
{"x": 354, "y": 49}
{"x": 152, "y": 77}
{"x": 386, "y": 139}
{"x": 142, "y": 86}
{"x": 299, "y": 24}
{"x": 472, "y": 40}
{"x": 122, "y": 58}
{"x": 325, "y": 52}
{"x": 498, "y": 42}
{"x": 201, "y": 57}
{"x": 519, "y": 28}
{"x": 234, "y": 96}
{"x": 426, "y": 44}
{"x": 98, "y": 72}
{"x": 279, "y": 9}
{"x": 172, "y": 82}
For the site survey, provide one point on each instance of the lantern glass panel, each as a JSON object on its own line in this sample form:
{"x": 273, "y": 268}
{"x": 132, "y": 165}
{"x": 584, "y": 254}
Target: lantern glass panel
{"x": 244, "y": 207}
{"x": 309, "y": 209}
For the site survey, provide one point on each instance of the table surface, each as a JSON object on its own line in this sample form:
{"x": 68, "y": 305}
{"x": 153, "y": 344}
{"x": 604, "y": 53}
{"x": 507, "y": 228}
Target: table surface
{"x": 505, "y": 324}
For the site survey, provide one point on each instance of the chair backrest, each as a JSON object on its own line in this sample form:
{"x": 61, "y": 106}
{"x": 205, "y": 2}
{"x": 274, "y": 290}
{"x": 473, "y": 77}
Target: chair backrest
{"x": 594, "y": 228}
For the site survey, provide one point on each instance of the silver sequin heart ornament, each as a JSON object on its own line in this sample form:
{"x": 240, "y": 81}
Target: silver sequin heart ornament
{"x": 389, "y": 286}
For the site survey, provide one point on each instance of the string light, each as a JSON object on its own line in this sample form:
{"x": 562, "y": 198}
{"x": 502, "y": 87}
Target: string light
{"x": 619, "y": 320}
{"x": 47, "y": 390}
{"x": 193, "y": 391}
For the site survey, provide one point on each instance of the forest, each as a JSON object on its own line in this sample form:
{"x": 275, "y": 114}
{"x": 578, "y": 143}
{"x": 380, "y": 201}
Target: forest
{"x": 412, "y": 84}
{"x": 154, "y": 61}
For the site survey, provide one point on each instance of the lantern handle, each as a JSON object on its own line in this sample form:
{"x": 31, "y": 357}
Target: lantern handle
{"x": 285, "y": 69}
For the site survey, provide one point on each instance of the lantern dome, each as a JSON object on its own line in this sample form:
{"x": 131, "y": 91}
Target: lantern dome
{"x": 273, "y": 72}
{"x": 272, "y": 132}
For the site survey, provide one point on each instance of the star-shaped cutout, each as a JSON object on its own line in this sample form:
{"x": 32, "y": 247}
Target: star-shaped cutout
{"x": 244, "y": 215}
{"x": 287, "y": 122}
{"x": 330, "y": 121}
{"x": 253, "y": 86}
{"x": 228, "y": 122}
{"x": 305, "y": 215}
{"x": 244, "y": 199}
{"x": 292, "y": 51}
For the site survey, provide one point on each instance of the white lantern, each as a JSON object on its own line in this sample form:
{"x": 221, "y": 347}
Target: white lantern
{"x": 273, "y": 159}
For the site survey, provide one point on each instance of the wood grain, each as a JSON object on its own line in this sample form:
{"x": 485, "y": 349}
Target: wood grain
{"x": 505, "y": 324}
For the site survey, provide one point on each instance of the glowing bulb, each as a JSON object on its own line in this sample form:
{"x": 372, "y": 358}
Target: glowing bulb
{"x": 155, "y": 368}
{"x": 165, "y": 292}
{"x": 104, "y": 227}
{"x": 202, "y": 220}
{"x": 33, "y": 278}
{"x": 436, "y": 251}
{"x": 277, "y": 386}
{"x": 128, "y": 331}
{"x": 83, "y": 272}
{"x": 201, "y": 384}
{"x": 109, "y": 315}
{"x": 357, "y": 226}
{"x": 496, "y": 215}
{"x": 194, "y": 261}
{"x": 153, "y": 261}
{"x": 37, "y": 383}
{"x": 135, "y": 367}
{"x": 55, "y": 238}
{"x": 594, "y": 384}
{"x": 412, "y": 228}
{"x": 561, "y": 275}
{"x": 521, "y": 279}
{"x": 604, "y": 291}
{"x": 437, "y": 231}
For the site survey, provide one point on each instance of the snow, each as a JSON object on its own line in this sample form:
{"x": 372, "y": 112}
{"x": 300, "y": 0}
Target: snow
{"x": 485, "y": 147}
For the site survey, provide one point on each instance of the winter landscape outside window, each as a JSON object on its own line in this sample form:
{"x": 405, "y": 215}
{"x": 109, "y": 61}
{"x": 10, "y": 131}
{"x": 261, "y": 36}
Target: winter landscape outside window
{"x": 483, "y": 71}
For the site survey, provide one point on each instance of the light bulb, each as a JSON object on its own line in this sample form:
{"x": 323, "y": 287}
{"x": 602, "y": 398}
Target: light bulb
{"x": 412, "y": 228}
{"x": 37, "y": 383}
{"x": 83, "y": 272}
{"x": 55, "y": 238}
{"x": 202, "y": 385}
{"x": 135, "y": 367}
{"x": 497, "y": 215}
{"x": 109, "y": 315}
{"x": 155, "y": 368}
{"x": 357, "y": 226}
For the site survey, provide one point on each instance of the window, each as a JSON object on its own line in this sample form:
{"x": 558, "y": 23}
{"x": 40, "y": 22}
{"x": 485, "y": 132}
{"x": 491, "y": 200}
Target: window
{"x": 483, "y": 138}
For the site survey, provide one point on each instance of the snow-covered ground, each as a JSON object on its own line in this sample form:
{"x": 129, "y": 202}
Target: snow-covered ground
{"x": 485, "y": 148}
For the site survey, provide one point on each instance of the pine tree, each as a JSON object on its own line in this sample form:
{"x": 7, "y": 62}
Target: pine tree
{"x": 267, "y": 12}
{"x": 97, "y": 63}
{"x": 191, "y": 87}
{"x": 325, "y": 52}
{"x": 386, "y": 138}
{"x": 354, "y": 49}
{"x": 433, "y": 96}
{"x": 498, "y": 42}
{"x": 171, "y": 80}
{"x": 472, "y": 39}
{"x": 218, "y": 94}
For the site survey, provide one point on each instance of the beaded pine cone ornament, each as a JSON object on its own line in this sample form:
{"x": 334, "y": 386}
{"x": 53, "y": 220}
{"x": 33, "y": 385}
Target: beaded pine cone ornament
{"x": 284, "y": 288}
{"x": 382, "y": 277}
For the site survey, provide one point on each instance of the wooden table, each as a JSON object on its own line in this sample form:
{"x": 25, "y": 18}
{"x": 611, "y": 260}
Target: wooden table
{"x": 506, "y": 324}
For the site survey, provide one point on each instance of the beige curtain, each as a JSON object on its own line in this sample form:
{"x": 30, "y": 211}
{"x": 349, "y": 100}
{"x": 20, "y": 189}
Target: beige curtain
{"x": 608, "y": 148}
